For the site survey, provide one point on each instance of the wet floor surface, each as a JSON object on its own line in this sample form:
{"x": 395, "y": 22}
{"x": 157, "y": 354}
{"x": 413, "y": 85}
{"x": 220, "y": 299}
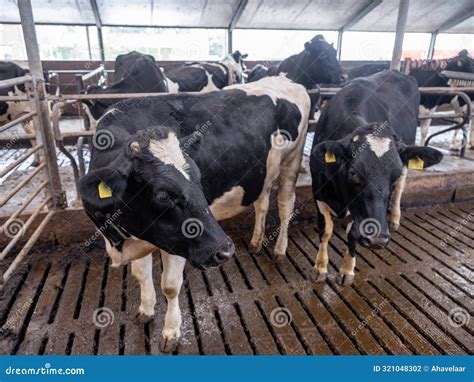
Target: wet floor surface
{"x": 416, "y": 297}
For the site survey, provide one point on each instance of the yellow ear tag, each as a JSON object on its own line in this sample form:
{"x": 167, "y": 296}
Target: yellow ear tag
{"x": 104, "y": 191}
{"x": 416, "y": 164}
{"x": 329, "y": 157}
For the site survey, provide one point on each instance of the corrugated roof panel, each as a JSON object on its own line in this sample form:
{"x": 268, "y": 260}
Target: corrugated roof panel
{"x": 423, "y": 15}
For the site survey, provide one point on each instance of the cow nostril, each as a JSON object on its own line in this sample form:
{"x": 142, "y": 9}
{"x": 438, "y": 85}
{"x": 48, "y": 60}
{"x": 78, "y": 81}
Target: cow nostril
{"x": 225, "y": 253}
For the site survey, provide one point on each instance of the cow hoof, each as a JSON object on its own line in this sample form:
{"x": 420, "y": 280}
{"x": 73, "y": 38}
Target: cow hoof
{"x": 394, "y": 226}
{"x": 318, "y": 277}
{"x": 141, "y": 318}
{"x": 279, "y": 257}
{"x": 345, "y": 280}
{"x": 168, "y": 345}
{"x": 254, "y": 249}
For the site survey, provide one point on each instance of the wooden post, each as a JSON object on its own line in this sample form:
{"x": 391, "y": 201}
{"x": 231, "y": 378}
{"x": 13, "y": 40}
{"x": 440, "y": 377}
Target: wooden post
{"x": 400, "y": 33}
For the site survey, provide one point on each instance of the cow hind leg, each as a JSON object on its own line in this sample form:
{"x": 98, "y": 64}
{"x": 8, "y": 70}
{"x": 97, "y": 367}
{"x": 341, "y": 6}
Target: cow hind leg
{"x": 29, "y": 128}
{"x": 142, "y": 270}
{"x": 322, "y": 259}
{"x": 171, "y": 281}
{"x": 424, "y": 124}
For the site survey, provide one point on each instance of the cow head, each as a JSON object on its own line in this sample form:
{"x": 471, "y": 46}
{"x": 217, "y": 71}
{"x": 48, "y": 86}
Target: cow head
{"x": 156, "y": 186}
{"x": 364, "y": 169}
{"x": 323, "y": 66}
{"x": 463, "y": 62}
{"x": 236, "y": 66}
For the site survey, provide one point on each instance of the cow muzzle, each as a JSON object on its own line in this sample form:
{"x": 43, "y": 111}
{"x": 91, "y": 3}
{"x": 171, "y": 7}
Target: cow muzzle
{"x": 376, "y": 242}
{"x": 215, "y": 258}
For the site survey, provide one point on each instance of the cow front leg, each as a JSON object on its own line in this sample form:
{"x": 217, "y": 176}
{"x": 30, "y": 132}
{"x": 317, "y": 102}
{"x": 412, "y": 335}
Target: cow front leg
{"x": 142, "y": 270}
{"x": 424, "y": 123}
{"x": 325, "y": 228}
{"x": 395, "y": 209}
{"x": 171, "y": 281}
{"x": 346, "y": 269}
{"x": 286, "y": 204}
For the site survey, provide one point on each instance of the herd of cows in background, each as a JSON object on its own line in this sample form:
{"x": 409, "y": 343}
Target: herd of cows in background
{"x": 181, "y": 162}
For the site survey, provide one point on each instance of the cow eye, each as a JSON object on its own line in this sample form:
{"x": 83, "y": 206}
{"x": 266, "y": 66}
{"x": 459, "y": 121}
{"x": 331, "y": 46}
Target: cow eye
{"x": 162, "y": 197}
{"x": 354, "y": 177}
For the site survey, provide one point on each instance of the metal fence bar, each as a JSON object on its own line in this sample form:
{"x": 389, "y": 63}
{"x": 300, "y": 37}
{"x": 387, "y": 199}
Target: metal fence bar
{"x": 29, "y": 244}
{"x": 24, "y": 205}
{"x": 15, "y": 122}
{"x": 23, "y": 229}
{"x": 17, "y": 138}
{"x": 15, "y": 81}
{"x": 18, "y": 161}
{"x": 20, "y": 185}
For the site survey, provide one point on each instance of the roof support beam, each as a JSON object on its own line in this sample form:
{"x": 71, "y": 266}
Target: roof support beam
{"x": 355, "y": 18}
{"x": 455, "y": 20}
{"x": 237, "y": 14}
{"x": 400, "y": 34}
{"x": 339, "y": 43}
{"x": 98, "y": 24}
{"x": 431, "y": 48}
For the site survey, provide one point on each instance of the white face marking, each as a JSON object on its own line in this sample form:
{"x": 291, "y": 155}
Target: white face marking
{"x": 168, "y": 151}
{"x": 378, "y": 145}
{"x": 234, "y": 69}
{"x": 356, "y": 138}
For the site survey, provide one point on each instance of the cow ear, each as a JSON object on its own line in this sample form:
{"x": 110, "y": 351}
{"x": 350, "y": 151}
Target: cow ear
{"x": 307, "y": 46}
{"x": 419, "y": 157}
{"x": 103, "y": 187}
{"x": 190, "y": 143}
{"x": 330, "y": 153}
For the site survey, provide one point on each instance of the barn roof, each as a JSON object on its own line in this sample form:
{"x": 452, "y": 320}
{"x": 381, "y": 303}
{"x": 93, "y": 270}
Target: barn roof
{"x": 355, "y": 15}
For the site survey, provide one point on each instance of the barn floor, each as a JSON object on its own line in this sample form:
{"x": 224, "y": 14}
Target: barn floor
{"x": 414, "y": 298}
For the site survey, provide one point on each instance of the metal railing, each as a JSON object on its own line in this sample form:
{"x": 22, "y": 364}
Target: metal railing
{"x": 465, "y": 116}
{"x": 14, "y": 228}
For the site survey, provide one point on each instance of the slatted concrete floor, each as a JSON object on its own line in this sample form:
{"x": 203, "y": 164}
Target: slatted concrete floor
{"x": 414, "y": 298}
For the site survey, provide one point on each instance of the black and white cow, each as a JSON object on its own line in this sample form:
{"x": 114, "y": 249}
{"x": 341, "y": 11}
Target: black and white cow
{"x": 316, "y": 64}
{"x": 363, "y": 144}
{"x": 11, "y": 110}
{"x": 366, "y": 70}
{"x": 166, "y": 159}
{"x": 134, "y": 73}
{"x": 463, "y": 62}
{"x": 206, "y": 76}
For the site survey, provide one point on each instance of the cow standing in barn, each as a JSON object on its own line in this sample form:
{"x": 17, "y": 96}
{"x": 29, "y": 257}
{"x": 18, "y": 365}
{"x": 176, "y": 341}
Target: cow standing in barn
{"x": 11, "y": 110}
{"x": 134, "y": 73}
{"x": 361, "y": 150}
{"x": 206, "y": 76}
{"x": 428, "y": 77}
{"x": 175, "y": 163}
